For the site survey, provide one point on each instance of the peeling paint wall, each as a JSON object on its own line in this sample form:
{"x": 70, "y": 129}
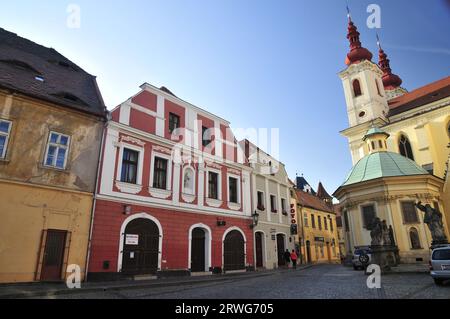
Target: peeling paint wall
{"x": 31, "y": 124}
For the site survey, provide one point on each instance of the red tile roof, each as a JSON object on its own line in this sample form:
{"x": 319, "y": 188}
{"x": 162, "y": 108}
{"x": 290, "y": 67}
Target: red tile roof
{"x": 312, "y": 201}
{"x": 424, "y": 95}
{"x": 43, "y": 73}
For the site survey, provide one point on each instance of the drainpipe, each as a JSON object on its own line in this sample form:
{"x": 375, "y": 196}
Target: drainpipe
{"x": 88, "y": 253}
{"x": 301, "y": 220}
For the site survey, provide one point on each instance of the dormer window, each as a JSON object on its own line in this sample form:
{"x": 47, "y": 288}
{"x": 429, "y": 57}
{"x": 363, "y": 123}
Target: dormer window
{"x": 356, "y": 88}
{"x": 70, "y": 98}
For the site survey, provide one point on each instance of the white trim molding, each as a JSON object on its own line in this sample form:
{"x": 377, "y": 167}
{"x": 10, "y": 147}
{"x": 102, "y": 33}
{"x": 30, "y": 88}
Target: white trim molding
{"x": 223, "y": 244}
{"x": 128, "y": 187}
{"x": 211, "y": 201}
{"x": 156, "y": 192}
{"x": 208, "y": 245}
{"x": 231, "y": 205}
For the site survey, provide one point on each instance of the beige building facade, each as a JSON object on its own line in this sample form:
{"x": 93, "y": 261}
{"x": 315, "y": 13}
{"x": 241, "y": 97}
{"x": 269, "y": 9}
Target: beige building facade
{"x": 271, "y": 197}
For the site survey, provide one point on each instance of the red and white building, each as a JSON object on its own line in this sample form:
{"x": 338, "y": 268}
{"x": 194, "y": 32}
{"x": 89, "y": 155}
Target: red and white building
{"x": 174, "y": 193}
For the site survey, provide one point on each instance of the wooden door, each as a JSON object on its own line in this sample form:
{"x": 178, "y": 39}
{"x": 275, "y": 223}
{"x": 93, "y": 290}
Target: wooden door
{"x": 259, "y": 249}
{"x": 53, "y": 255}
{"x": 308, "y": 251}
{"x": 198, "y": 250}
{"x": 140, "y": 247}
{"x": 281, "y": 250}
{"x": 234, "y": 251}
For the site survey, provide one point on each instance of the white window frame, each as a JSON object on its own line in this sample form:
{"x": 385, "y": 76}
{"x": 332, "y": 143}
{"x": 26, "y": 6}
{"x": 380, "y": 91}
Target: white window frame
{"x": 238, "y": 178}
{"x": 169, "y": 170}
{"x": 263, "y": 198}
{"x": 276, "y": 203}
{"x": 281, "y": 203}
{"x": 58, "y": 146}
{"x": 7, "y": 135}
{"x": 219, "y": 181}
{"x": 140, "y": 163}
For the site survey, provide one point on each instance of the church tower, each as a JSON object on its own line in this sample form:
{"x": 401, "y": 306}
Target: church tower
{"x": 391, "y": 81}
{"x": 362, "y": 80}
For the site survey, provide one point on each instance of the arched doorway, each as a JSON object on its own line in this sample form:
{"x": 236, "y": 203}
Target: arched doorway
{"x": 198, "y": 250}
{"x": 308, "y": 251}
{"x": 281, "y": 248}
{"x": 140, "y": 247}
{"x": 259, "y": 249}
{"x": 234, "y": 251}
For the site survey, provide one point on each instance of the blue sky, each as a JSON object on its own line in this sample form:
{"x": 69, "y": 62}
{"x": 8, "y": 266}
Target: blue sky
{"x": 256, "y": 63}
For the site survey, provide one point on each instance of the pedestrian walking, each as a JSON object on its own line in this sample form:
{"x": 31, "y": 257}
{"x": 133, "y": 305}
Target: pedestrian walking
{"x": 287, "y": 258}
{"x": 294, "y": 259}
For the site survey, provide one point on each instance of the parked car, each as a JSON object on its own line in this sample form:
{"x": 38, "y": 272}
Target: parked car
{"x": 440, "y": 264}
{"x": 358, "y": 256}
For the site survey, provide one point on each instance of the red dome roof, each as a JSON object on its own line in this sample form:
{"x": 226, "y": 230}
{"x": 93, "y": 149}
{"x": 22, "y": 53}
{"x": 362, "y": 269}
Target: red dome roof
{"x": 390, "y": 80}
{"x": 357, "y": 52}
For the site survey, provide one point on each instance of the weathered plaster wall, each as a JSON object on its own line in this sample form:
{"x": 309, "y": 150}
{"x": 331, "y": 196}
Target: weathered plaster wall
{"x": 25, "y": 212}
{"x": 31, "y": 124}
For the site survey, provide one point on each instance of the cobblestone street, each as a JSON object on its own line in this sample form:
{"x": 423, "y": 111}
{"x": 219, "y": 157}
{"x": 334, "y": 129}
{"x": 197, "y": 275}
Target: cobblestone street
{"x": 317, "y": 282}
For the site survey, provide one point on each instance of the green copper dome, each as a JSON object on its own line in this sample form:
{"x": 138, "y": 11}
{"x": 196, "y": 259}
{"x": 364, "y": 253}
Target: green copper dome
{"x": 375, "y": 131}
{"x": 382, "y": 164}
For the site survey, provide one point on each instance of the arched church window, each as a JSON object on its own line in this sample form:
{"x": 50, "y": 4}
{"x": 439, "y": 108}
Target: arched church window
{"x": 414, "y": 237}
{"x": 405, "y": 147}
{"x": 188, "y": 181}
{"x": 356, "y": 88}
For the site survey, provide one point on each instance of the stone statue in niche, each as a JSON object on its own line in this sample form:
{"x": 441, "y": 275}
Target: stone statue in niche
{"x": 433, "y": 218}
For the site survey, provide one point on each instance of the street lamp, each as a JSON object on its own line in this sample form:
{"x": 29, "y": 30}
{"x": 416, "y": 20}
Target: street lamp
{"x": 255, "y": 219}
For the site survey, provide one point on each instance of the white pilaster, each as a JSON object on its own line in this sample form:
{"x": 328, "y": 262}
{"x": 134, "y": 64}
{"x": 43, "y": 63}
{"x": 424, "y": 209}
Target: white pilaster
{"x": 246, "y": 190}
{"x": 124, "y": 116}
{"x": 176, "y": 184}
{"x": 267, "y": 195}
{"x": 280, "y": 214}
{"x": 160, "y": 111}
{"x": 218, "y": 139}
{"x": 201, "y": 183}
{"x": 109, "y": 154}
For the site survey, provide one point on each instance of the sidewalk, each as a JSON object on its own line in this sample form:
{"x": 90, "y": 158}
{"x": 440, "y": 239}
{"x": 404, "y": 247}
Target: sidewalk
{"x": 30, "y": 290}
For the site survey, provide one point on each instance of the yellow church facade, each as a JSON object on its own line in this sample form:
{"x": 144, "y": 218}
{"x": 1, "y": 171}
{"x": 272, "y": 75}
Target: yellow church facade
{"x": 414, "y": 131}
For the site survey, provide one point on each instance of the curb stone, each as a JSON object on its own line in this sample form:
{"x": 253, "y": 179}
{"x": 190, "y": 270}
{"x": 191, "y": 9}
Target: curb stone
{"x": 65, "y": 291}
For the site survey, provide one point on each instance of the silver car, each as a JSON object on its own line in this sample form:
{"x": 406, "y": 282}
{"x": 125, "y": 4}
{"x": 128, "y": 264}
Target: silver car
{"x": 361, "y": 256}
{"x": 440, "y": 264}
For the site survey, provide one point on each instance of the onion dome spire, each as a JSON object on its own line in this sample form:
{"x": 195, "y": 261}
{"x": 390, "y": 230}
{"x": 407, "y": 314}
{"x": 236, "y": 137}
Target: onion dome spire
{"x": 390, "y": 81}
{"x": 357, "y": 52}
